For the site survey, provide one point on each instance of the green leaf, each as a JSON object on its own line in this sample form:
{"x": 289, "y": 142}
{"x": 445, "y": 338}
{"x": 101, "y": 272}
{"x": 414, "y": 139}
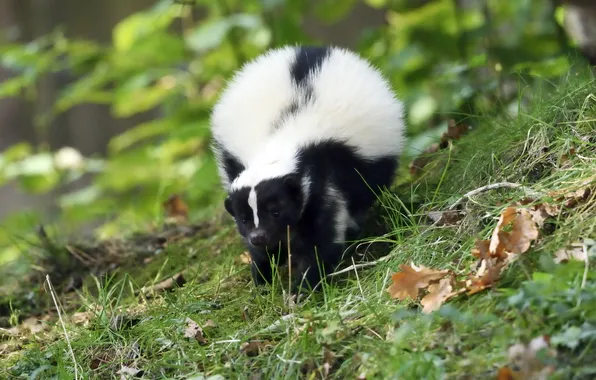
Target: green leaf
{"x": 211, "y": 34}
{"x": 333, "y": 10}
{"x": 140, "y": 132}
{"x": 143, "y": 25}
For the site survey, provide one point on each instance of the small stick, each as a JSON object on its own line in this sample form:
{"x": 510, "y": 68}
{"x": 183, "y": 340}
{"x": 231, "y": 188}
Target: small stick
{"x": 498, "y": 185}
{"x": 53, "y": 293}
{"x": 289, "y": 263}
{"x": 355, "y": 267}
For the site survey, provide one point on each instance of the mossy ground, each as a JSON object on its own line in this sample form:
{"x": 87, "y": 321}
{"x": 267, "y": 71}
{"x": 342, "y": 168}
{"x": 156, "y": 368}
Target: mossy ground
{"x": 352, "y": 329}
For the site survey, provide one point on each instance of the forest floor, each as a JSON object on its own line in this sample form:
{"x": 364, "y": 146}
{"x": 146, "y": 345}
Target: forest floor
{"x": 473, "y": 281}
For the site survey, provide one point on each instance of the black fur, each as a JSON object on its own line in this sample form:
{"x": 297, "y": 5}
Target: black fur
{"x": 308, "y": 59}
{"x": 232, "y": 166}
{"x": 312, "y": 228}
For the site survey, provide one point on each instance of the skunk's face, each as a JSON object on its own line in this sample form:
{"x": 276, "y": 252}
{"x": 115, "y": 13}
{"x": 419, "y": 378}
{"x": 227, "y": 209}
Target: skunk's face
{"x": 264, "y": 212}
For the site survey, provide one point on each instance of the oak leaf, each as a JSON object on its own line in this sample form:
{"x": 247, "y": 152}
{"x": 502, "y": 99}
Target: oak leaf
{"x": 518, "y": 240}
{"x": 193, "y": 330}
{"x": 575, "y": 252}
{"x": 488, "y": 276}
{"x": 408, "y": 282}
{"x": 437, "y": 295}
{"x": 530, "y": 358}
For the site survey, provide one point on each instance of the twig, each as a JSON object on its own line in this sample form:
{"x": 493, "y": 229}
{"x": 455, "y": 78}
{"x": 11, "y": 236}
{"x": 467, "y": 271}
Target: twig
{"x": 289, "y": 263}
{"x": 585, "y": 278}
{"x": 355, "y": 267}
{"x": 357, "y": 278}
{"x": 498, "y": 185}
{"x": 54, "y": 298}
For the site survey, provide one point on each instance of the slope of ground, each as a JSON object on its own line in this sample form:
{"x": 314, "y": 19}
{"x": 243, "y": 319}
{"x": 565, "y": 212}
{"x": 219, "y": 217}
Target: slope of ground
{"x": 186, "y": 309}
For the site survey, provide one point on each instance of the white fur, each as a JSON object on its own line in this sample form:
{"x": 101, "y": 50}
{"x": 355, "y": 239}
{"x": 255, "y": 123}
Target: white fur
{"x": 252, "y": 202}
{"x": 353, "y": 103}
{"x": 342, "y": 216}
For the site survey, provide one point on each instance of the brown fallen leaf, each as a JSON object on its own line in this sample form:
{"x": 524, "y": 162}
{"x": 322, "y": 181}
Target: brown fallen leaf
{"x": 523, "y": 233}
{"x": 127, "y": 372}
{"x": 529, "y": 361}
{"x": 573, "y": 198}
{"x": 423, "y": 159}
{"x": 254, "y": 347}
{"x": 329, "y": 361}
{"x": 193, "y": 330}
{"x": 481, "y": 249}
{"x": 35, "y": 325}
{"x": 408, "y": 282}
{"x": 454, "y": 132}
{"x": 446, "y": 218}
{"x": 497, "y": 246}
{"x": 575, "y": 252}
{"x": 437, "y": 295}
{"x": 170, "y": 283}
{"x": 245, "y": 258}
{"x": 176, "y": 210}
{"x": 539, "y": 216}
{"x": 487, "y": 280}
{"x": 518, "y": 240}
{"x": 506, "y": 373}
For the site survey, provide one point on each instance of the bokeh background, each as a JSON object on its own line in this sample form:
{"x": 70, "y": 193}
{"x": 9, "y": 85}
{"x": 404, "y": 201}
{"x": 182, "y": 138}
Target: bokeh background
{"x": 104, "y": 104}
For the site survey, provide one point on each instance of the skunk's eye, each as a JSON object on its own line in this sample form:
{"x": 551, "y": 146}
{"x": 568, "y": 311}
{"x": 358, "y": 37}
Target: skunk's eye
{"x": 275, "y": 213}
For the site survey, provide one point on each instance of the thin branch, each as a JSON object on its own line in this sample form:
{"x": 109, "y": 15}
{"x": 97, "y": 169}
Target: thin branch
{"x": 355, "y": 267}
{"x": 498, "y": 185}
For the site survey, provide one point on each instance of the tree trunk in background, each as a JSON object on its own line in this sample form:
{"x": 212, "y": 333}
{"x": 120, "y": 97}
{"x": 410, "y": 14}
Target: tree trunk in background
{"x": 86, "y": 127}
{"x": 346, "y": 32}
{"x": 580, "y": 23}
{"x": 89, "y": 127}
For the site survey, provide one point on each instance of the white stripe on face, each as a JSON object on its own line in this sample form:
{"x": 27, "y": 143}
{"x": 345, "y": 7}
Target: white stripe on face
{"x": 252, "y": 202}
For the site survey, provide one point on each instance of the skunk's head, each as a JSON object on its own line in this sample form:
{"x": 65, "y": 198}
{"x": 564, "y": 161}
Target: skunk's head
{"x": 264, "y": 211}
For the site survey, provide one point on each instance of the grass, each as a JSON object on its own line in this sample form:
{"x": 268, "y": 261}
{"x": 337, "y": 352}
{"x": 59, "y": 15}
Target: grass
{"x": 352, "y": 329}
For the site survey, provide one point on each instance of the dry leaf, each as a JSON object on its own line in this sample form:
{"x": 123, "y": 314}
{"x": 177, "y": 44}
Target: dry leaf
{"x": 575, "y": 252}
{"x": 193, "y": 330}
{"x": 487, "y": 280}
{"x": 35, "y": 325}
{"x": 175, "y": 281}
{"x": 176, "y": 209}
{"x": 254, "y": 347}
{"x": 518, "y": 240}
{"x": 423, "y": 159}
{"x": 245, "y": 258}
{"x": 329, "y": 359}
{"x": 481, "y": 249}
{"x": 446, "y": 218}
{"x": 523, "y": 233}
{"x": 127, "y": 372}
{"x": 526, "y": 358}
{"x": 506, "y": 373}
{"x": 437, "y": 295}
{"x": 496, "y": 245}
{"x": 539, "y": 215}
{"x": 410, "y": 280}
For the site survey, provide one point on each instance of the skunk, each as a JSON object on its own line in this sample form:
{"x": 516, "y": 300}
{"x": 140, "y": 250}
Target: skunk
{"x": 303, "y": 137}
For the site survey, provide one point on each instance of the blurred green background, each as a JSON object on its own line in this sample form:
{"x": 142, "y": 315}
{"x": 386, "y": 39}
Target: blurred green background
{"x": 104, "y": 104}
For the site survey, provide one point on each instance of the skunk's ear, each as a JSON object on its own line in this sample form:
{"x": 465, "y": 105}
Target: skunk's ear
{"x": 293, "y": 184}
{"x": 228, "y": 205}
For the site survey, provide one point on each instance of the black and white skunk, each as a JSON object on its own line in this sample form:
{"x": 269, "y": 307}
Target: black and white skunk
{"x": 304, "y": 137}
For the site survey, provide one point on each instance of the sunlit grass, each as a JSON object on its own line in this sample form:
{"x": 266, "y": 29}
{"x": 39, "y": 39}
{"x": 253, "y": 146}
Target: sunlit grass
{"x": 352, "y": 329}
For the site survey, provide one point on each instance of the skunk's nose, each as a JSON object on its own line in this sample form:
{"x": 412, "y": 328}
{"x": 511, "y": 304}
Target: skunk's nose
{"x": 257, "y": 238}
